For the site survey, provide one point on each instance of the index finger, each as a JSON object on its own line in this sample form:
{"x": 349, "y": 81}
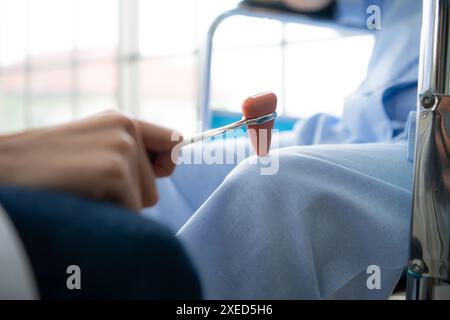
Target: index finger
{"x": 158, "y": 138}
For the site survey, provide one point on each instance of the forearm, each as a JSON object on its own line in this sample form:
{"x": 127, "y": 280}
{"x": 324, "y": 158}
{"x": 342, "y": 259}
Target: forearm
{"x": 9, "y": 151}
{"x": 11, "y": 158}
{"x": 7, "y": 138}
{"x": 307, "y": 5}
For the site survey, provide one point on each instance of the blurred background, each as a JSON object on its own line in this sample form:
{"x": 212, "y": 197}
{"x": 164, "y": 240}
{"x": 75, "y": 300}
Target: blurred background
{"x": 66, "y": 59}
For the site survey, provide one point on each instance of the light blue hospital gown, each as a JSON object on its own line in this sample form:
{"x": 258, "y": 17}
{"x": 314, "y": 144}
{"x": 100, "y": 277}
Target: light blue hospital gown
{"x": 312, "y": 230}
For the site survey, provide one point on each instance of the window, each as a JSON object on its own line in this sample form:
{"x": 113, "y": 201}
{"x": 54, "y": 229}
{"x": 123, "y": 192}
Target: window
{"x": 57, "y": 60}
{"x": 298, "y": 62}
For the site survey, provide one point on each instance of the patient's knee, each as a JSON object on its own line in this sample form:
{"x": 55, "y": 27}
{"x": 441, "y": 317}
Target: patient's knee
{"x": 280, "y": 173}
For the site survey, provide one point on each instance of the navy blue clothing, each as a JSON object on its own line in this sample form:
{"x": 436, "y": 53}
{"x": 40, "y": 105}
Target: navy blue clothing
{"x": 121, "y": 255}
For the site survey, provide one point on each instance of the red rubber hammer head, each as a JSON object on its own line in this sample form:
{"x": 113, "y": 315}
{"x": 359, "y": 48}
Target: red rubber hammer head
{"x": 260, "y": 134}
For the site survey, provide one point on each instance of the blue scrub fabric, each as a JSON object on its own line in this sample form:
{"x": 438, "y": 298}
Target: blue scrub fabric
{"x": 308, "y": 232}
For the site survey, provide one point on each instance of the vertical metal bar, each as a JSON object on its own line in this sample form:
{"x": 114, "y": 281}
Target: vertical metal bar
{"x": 205, "y": 58}
{"x": 435, "y": 47}
{"x": 205, "y": 71}
{"x": 428, "y": 269}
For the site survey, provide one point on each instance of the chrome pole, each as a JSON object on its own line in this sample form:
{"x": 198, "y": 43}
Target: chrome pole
{"x": 428, "y": 269}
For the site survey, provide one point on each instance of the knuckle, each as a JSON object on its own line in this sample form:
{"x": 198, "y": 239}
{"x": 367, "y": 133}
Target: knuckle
{"x": 116, "y": 167}
{"x": 124, "y": 121}
{"x": 120, "y": 120}
{"x": 124, "y": 144}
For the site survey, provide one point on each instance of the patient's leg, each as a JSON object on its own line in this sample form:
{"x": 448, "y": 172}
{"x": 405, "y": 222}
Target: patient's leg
{"x": 191, "y": 184}
{"x": 309, "y": 231}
